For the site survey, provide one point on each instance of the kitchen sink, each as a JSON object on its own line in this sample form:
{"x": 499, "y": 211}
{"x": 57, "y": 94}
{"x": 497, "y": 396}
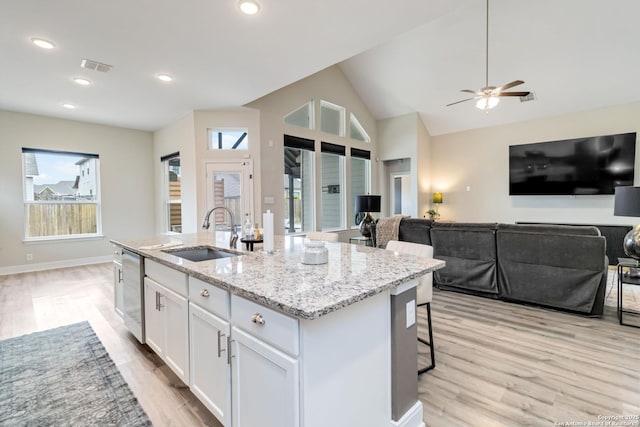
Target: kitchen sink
{"x": 200, "y": 253}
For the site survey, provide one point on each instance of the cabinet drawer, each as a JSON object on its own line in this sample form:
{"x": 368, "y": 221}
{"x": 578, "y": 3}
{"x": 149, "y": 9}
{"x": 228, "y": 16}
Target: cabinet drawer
{"x": 117, "y": 254}
{"x": 209, "y": 297}
{"x": 276, "y": 328}
{"x": 166, "y": 276}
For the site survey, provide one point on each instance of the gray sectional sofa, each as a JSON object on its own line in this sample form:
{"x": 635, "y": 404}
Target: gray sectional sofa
{"x": 562, "y": 267}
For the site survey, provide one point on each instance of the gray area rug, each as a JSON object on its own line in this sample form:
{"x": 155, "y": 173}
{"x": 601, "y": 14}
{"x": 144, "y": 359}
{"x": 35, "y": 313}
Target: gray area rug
{"x": 64, "y": 377}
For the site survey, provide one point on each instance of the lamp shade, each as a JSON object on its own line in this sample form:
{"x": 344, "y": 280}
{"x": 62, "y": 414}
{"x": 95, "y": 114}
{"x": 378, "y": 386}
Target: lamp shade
{"x": 437, "y": 197}
{"x": 367, "y": 203}
{"x": 627, "y": 201}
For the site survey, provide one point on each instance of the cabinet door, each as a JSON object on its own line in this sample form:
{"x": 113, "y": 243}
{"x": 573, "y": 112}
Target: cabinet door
{"x": 210, "y": 371}
{"x": 175, "y": 309}
{"x": 118, "y": 296}
{"x": 153, "y": 317}
{"x": 264, "y": 384}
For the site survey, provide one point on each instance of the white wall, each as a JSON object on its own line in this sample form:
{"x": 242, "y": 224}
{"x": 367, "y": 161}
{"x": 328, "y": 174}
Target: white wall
{"x": 126, "y": 180}
{"x": 203, "y": 121}
{"x": 479, "y": 159}
{"x": 405, "y": 137}
{"x": 179, "y": 136}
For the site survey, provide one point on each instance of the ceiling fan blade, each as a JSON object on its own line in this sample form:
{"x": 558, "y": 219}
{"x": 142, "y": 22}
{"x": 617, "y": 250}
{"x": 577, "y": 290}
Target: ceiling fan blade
{"x": 509, "y": 85}
{"x": 458, "y": 102}
{"x": 514, "y": 93}
{"x": 473, "y": 92}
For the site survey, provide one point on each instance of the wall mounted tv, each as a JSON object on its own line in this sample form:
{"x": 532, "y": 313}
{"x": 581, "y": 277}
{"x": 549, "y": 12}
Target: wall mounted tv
{"x": 594, "y": 165}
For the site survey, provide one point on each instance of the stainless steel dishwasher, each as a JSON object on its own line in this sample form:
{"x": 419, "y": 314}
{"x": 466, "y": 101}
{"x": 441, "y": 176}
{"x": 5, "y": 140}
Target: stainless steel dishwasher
{"x": 133, "y": 290}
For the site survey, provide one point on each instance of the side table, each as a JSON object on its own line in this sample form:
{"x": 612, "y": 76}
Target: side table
{"x": 626, "y": 266}
{"x": 249, "y": 243}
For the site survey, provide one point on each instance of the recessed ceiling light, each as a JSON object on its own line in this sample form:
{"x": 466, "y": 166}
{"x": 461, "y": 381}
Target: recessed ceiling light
{"x": 164, "y": 77}
{"x": 249, "y": 7}
{"x": 44, "y": 44}
{"x": 82, "y": 81}
{"x": 69, "y": 106}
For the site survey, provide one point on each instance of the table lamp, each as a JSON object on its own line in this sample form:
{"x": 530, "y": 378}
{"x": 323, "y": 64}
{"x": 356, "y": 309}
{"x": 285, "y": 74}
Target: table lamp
{"x": 367, "y": 204}
{"x": 627, "y": 203}
{"x": 437, "y": 200}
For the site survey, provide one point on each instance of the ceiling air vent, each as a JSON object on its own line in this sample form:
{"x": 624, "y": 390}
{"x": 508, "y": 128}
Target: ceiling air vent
{"x": 95, "y": 65}
{"x": 530, "y": 97}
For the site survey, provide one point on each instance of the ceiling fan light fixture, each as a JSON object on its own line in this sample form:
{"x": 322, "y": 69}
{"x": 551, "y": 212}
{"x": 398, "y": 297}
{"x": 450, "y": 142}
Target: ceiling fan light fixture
{"x": 249, "y": 7}
{"x": 487, "y": 103}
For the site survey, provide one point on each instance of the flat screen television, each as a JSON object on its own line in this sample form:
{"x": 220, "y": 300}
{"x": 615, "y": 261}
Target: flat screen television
{"x": 594, "y": 165}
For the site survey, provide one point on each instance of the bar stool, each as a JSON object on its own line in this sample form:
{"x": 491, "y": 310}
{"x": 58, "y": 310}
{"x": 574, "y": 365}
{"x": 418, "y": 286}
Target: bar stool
{"x": 424, "y": 289}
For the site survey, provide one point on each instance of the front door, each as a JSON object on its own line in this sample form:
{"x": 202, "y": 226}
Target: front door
{"x": 230, "y": 184}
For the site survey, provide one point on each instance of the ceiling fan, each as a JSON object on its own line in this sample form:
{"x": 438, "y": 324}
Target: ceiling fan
{"x": 489, "y": 96}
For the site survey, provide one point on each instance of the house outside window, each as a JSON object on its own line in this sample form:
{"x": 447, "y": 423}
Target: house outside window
{"x": 172, "y": 193}
{"x": 299, "y": 184}
{"x": 360, "y": 176}
{"x": 333, "y": 187}
{"x": 61, "y": 194}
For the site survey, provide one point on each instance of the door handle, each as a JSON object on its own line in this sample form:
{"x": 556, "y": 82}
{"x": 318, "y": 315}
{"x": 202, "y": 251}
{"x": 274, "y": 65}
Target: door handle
{"x": 220, "y": 350}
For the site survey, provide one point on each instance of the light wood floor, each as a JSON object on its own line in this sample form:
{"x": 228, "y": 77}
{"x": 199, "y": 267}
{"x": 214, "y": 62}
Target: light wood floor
{"x": 498, "y": 364}
{"x": 46, "y": 299}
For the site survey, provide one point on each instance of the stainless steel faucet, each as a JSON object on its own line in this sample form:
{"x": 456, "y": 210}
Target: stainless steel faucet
{"x": 233, "y": 242}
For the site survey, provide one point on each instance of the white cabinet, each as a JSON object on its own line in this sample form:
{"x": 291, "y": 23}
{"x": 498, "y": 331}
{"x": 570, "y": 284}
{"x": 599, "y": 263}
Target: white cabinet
{"x": 153, "y": 316}
{"x": 264, "y": 384}
{"x": 210, "y": 372}
{"x": 167, "y": 316}
{"x": 118, "y": 291}
{"x": 264, "y": 365}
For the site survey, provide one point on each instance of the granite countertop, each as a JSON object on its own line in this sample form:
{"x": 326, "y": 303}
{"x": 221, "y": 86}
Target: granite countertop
{"x": 280, "y": 281}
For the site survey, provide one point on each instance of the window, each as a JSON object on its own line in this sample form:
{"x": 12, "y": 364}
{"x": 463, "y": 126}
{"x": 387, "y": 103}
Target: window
{"x": 229, "y": 139}
{"x": 332, "y": 182}
{"x": 172, "y": 192}
{"x": 332, "y": 118}
{"x": 360, "y": 175}
{"x": 356, "y": 131}
{"x": 59, "y": 199}
{"x": 299, "y": 195}
{"x": 302, "y": 116}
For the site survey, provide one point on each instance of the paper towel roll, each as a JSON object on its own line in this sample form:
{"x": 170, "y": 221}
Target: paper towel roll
{"x": 267, "y": 232}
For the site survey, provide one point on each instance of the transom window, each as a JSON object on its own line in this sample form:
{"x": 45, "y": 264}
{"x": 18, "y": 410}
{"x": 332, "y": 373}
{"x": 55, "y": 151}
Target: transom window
{"x": 228, "y": 139}
{"x": 302, "y": 116}
{"x": 61, "y": 194}
{"x": 332, "y": 118}
{"x": 356, "y": 131}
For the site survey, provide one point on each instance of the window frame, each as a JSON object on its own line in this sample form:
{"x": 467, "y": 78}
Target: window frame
{"x": 339, "y": 151}
{"x": 27, "y": 203}
{"x": 167, "y": 193}
{"x": 308, "y": 145}
{"x": 364, "y": 155}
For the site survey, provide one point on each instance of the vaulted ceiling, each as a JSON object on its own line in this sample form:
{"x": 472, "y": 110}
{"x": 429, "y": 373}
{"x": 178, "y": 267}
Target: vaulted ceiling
{"x": 402, "y": 57}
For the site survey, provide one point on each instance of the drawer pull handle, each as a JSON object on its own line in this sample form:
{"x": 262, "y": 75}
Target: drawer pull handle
{"x": 204, "y": 293}
{"x": 258, "y": 319}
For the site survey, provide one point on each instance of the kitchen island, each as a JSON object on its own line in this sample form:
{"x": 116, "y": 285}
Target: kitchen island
{"x": 263, "y": 339}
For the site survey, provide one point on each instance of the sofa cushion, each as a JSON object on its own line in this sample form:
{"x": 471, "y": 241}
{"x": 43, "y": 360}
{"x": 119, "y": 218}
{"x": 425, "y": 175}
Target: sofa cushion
{"x": 415, "y": 230}
{"x": 469, "y": 250}
{"x": 556, "y": 266}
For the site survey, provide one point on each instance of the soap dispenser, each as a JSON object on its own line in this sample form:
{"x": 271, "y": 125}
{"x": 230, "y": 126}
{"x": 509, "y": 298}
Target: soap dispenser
{"x": 247, "y": 228}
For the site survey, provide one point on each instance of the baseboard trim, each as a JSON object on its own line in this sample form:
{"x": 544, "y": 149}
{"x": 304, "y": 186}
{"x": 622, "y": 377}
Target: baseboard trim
{"x": 411, "y": 418}
{"x": 27, "y": 268}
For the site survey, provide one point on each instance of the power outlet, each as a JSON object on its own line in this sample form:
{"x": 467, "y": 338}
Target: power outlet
{"x": 29, "y": 257}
